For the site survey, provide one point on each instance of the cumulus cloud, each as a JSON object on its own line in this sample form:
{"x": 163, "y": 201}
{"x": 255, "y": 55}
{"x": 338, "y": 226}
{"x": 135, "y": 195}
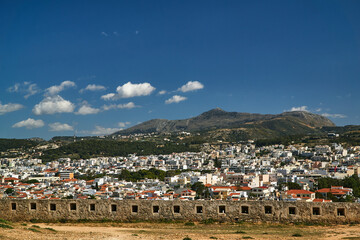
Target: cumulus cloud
{"x": 102, "y": 131}
{"x": 123, "y": 124}
{"x": 191, "y": 86}
{"x": 301, "y": 108}
{"x": 29, "y": 124}
{"x": 129, "y": 90}
{"x": 9, "y": 107}
{"x": 59, "y": 127}
{"x": 52, "y": 105}
{"x": 27, "y": 88}
{"x": 128, "y": 105}
{"x": 175, "y": 99}
{"x": 86, "y": 109}
{"x": 53, "y": 90}
{"x": 93, "y": 87}
{"x": 334, "y": 115}
{"x": 162, "y": 92}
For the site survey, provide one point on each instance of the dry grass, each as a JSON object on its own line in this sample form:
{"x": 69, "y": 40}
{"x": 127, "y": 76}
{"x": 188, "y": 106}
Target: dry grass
{"x": 178, "y": 231}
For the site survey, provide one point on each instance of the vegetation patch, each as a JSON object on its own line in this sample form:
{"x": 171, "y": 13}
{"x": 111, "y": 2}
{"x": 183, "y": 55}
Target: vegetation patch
{"x": 2, "y": 225}
{"x": 189, "y": 224}
{"x": 51, "y": 229}
{"x": 34, "y": 229}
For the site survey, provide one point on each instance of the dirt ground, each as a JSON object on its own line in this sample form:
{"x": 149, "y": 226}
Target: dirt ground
{"x": 175, "y": 231}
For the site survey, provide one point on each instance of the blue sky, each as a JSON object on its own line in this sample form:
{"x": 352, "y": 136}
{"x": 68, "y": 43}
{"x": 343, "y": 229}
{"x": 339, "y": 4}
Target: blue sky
{"x": 97, "y": 66}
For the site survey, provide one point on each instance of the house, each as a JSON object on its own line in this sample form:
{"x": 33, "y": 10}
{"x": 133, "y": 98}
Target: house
{"x": 337, "y": 191}
{"x": 300, "y": 194}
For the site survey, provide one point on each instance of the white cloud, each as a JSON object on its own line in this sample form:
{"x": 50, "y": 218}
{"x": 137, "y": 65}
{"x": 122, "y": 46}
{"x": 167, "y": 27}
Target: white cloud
{"x": 26, "y": 88}
{"x": 335, "y": 115}
{"x": 53, "y": 90}
{"x": 58, "y": 127}
{"x": 128, "y": 105}
{"x": 318, "y": 110}
{"x": 9, "y": 107}
{"x": 86, "y": 109}
{"x": 301, "y": 108}
{"x": 162, "y": 92}
{"x": 175, "y": 99}
{"x": 104, "y": 34}
{"x": 53, "y": 104}
{"x": 129, "y": 90}
{"x": 102, "y": 131}
{"x": 93, "y": 87}
{"x": 191, "y": 86}
{"x": 108, "y": 96}
{"x": 123, "y": 124}
{"x": 29, "y": 124}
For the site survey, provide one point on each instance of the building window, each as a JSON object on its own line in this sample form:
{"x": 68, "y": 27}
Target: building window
{"x": 292, "y": 210}
{"x": 73, "y": 206}
{"x": 52, "y": 207}
{"x": 268, "y": 209}
{"x": 13, "y": 206}
{"x": 156, "y": 209}
{"x": 316, "y": 211}
{"x": 113, "y": 207}
{"x": 199, "y": 209}
{"x": 222, "y": 209}
{"x": 92, "y": 207}
{"x": 33, "y": 206}
{"x": 134, "y": 208}
{"x": 245, "y": 209}
{"x": 341, "y": 211}
{"x": 177, "y": 209}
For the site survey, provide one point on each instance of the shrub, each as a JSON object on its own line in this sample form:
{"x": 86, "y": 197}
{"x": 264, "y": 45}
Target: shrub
{"x": 189, "y": 224}
{"x": 208, "y": 221}
{"x": 5, "y": 226}
{"x": 297, "y": 235}
{"x": 33, "y": 229}
{"x": 240, "y": 231}
{"x": 51, "y": 229}
{"x": 187, "y": 238}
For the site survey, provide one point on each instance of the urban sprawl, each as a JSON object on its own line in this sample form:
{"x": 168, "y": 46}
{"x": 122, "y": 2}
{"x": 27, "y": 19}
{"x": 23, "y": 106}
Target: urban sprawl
{"x": 220, "y": 171}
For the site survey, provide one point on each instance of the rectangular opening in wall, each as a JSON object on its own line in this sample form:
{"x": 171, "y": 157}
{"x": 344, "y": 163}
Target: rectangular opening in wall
{"x": 13, "y": 206}
{"x": 92, "y": 207}
{"x": 113, "y": 207}
{"x": 341, "y": 211}
{"x": 73, "y": 206}
{"x": 316, "y": 211}
{"x": 268, "y": 209}
{"x": 199, "y": 209}
{"x": 245, "y": 209}
{"x": 33, "y": 206}
{"x": 156, "y": 209}
{"x": 52, "y": 207}
{"x": 134, "y": 209}
{"x": 292, "y": 210}
{"x": 176, "y": 209}
{"x": 222, "y": 209}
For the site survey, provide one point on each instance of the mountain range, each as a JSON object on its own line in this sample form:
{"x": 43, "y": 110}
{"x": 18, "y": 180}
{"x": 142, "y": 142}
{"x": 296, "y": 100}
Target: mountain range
{"x": 249, "y": 125}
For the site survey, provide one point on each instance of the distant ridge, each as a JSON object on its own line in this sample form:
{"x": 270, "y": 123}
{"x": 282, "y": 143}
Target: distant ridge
{"x": 251, "y": 124}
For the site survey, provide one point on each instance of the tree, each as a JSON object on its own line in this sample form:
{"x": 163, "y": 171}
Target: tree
{"x": 9, "y": 191}
{"x": 199, "y": 187}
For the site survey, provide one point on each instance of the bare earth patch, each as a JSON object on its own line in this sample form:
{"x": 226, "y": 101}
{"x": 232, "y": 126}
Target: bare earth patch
{"x": 175, "y": 231}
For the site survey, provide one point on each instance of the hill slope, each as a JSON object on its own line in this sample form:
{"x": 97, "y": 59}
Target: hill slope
{"x": 250, "y": 124}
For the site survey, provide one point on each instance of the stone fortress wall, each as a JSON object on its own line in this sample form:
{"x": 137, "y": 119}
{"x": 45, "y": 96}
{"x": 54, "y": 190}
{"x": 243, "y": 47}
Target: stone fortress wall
{"x": 147, "y": 210}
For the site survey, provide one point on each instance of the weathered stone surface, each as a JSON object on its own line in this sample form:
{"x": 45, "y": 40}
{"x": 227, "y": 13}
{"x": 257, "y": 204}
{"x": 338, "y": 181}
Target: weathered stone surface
{"x": 277, "y": 211}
